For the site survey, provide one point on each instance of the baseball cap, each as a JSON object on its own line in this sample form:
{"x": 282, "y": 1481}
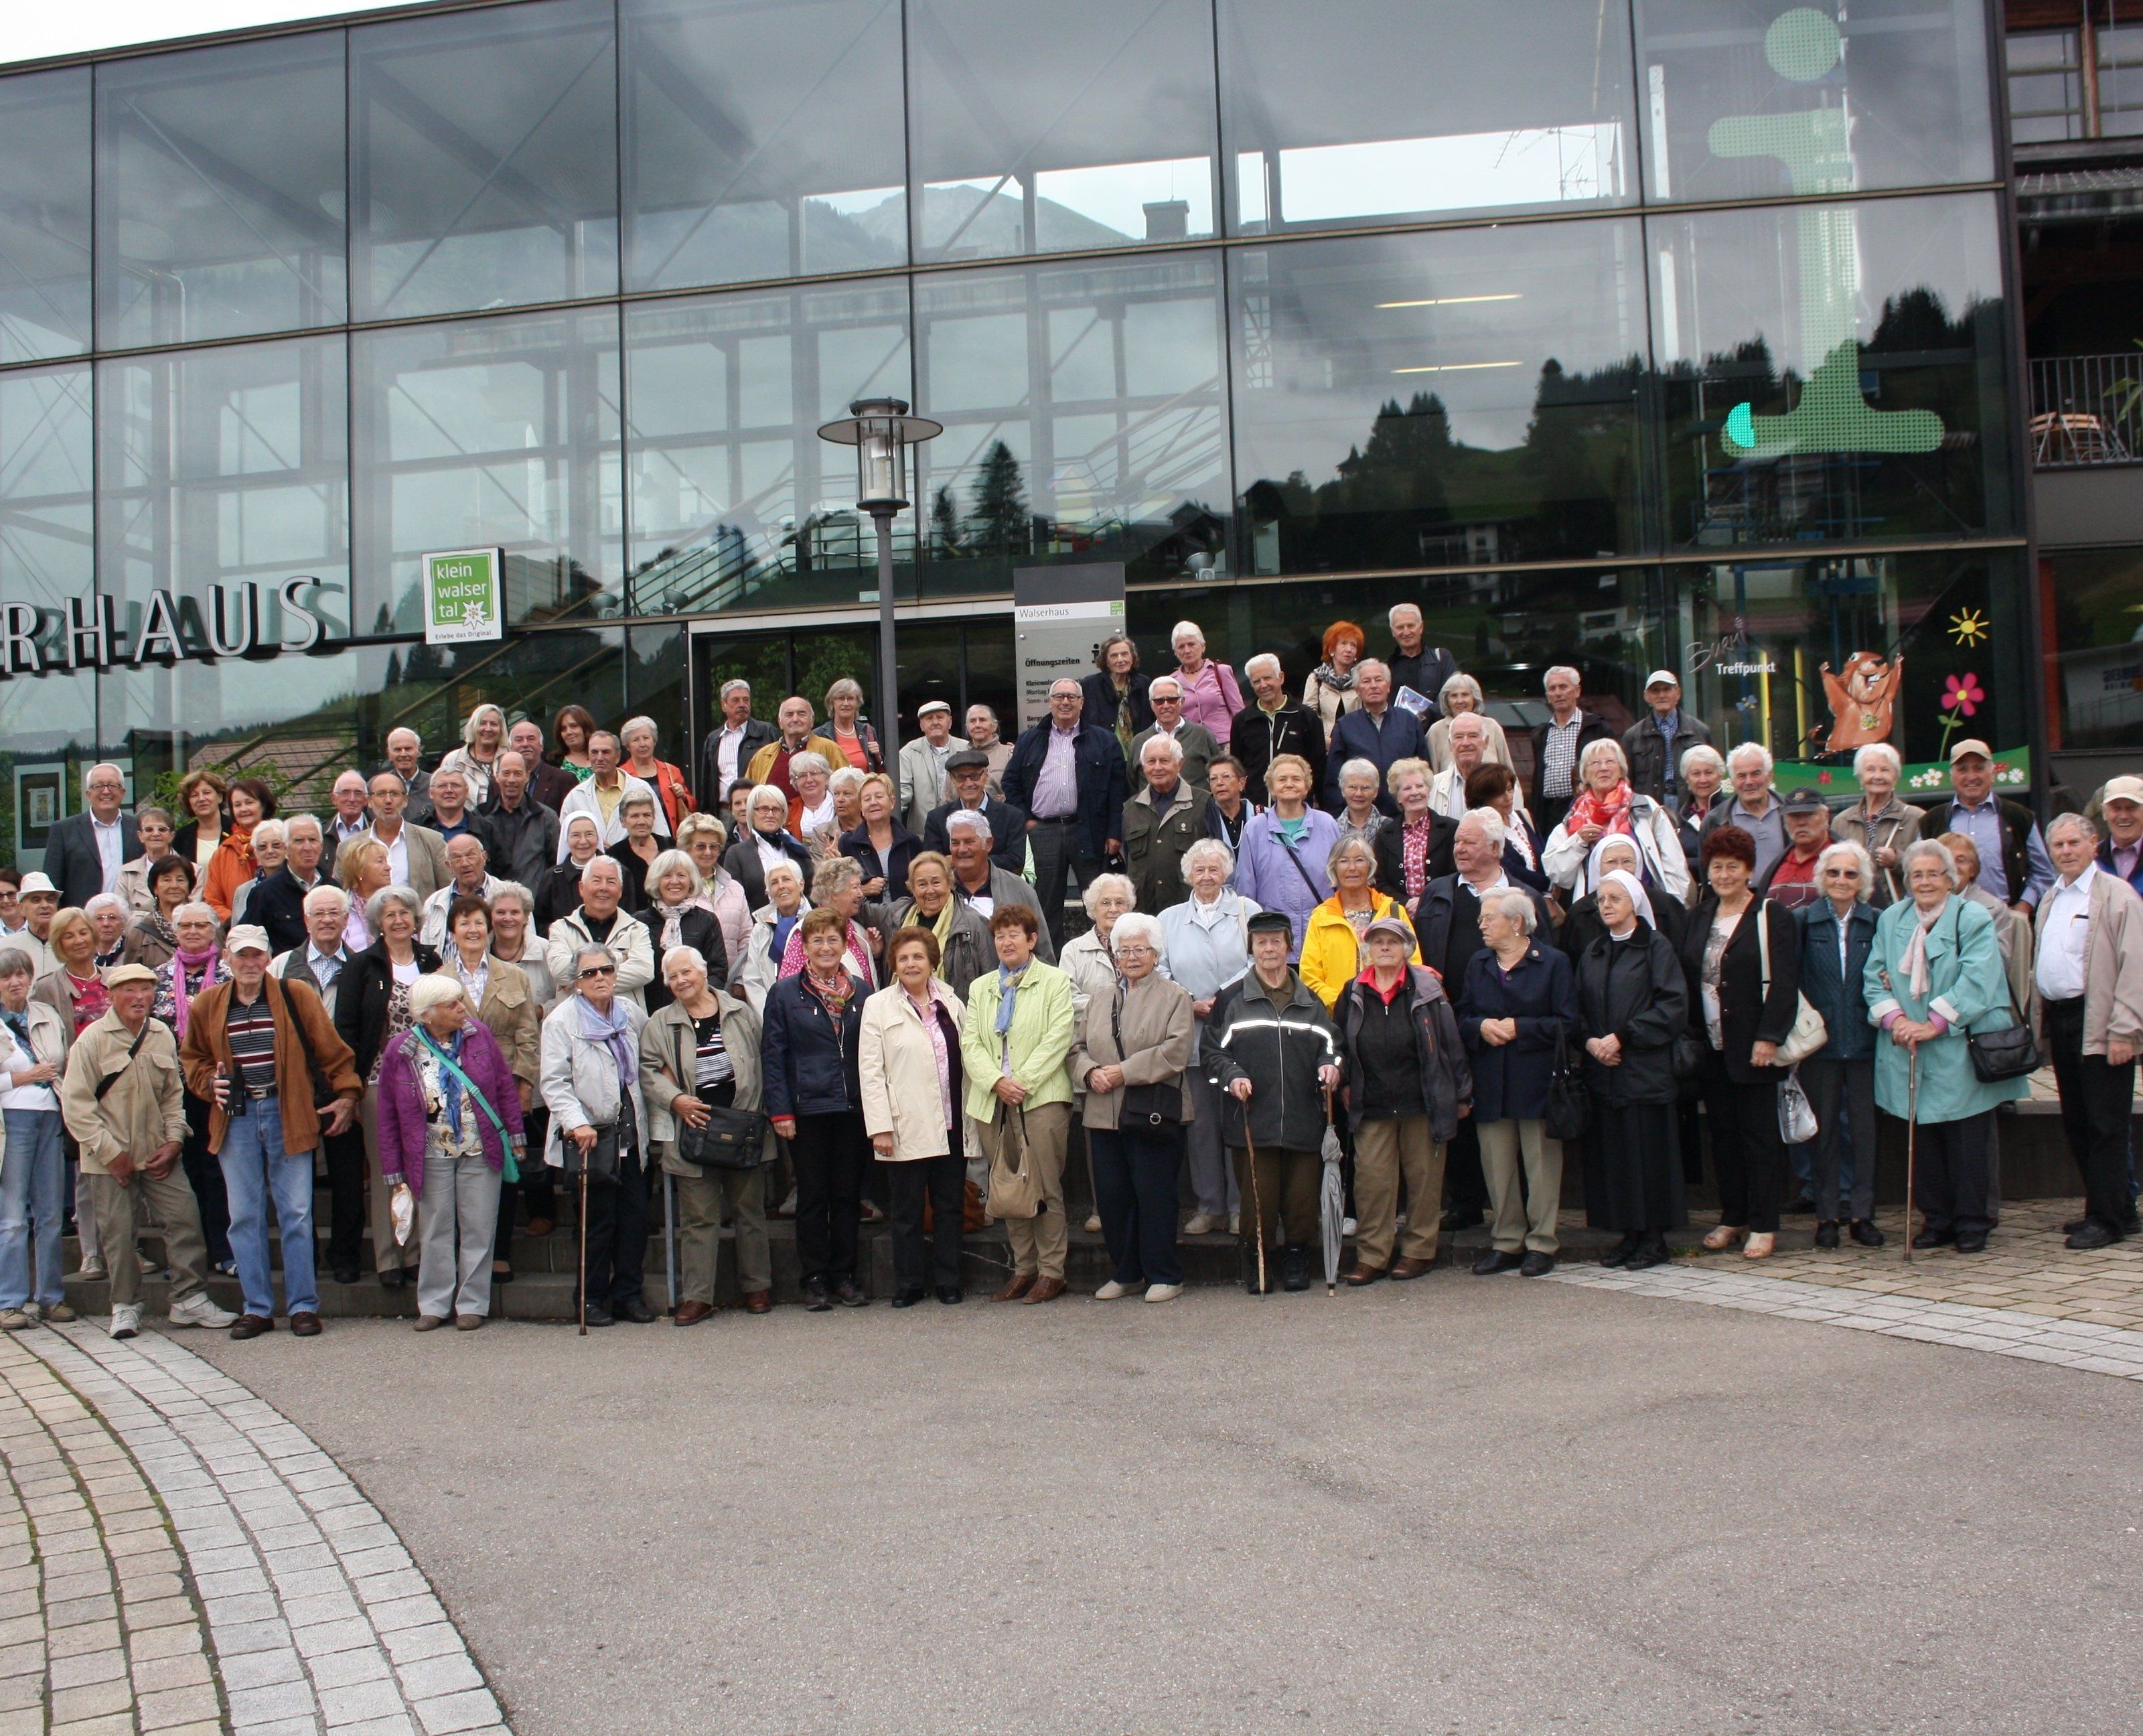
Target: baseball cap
{"x": 1970, "y": 744}
{"x": 1662, "y": 678}
{"x": 1804, "y": 800}
{"x": 245, "y": 937}
{"x": 2121, "y": 789}
{"x": 122, "y": 973}
{"x": 928, "y": 706}
{"x": 34, "y": 882}
{"x": 1396, "y": 926}
{"x": 967, "y": 760}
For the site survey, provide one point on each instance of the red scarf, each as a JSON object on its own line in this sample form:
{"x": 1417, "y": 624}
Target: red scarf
{"x": 1610, "y": 812}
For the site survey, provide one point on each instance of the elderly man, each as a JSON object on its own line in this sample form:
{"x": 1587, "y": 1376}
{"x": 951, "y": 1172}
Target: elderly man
{"x": 1196, "y": 741}
{"x": 416, "y": 855}
{"x": 550, "y": 784}
{"x": 984, "y": 738}
{"x": 1557, "y": 745}
{"x": 2014, "y": 863}
{"x": 923, "y": 764}
{"x": 967, "y": 772}
{"x": 123, "y": 1103}
{"x": 469, "y": 866}
{"x": 405, "y": 753}
{"x": 1424, "y": 668}
{"x": 2090, "y": 974}
{"x": 1792, "y": 881}
{"x": 276, "y": 903}
{"x": 1162, "y": 823}
{"x": 260, "y": 1053}
{"x": 2122, "y": 855}
{"x": 451, "y": 816}
{"x": 1069, "y": 776}
{"x": 1654, "y": 744}
{"x": 39, "y": 902}
{"x": 1755, "y": 808}
{"x": 600, "y": 922}
{"x": 1375, "y": 730}
{"x": 524, "y": 834}
{"x": 317, "y": 963}
{"x": 1468, "y": 735}
{"x": 84, "y": 852}
{"x": 602, "y": 798}
{"x": 1274, "y": 724}
{"x": 352, "y": 817}
{"x": 769, "y": 763}
{"x": 728, "y": 748}
{"x": 978, "y": 881}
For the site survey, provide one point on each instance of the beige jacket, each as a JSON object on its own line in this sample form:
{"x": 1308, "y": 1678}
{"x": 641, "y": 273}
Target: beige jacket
{"x": 1897, "y": 828}
{"x": 897, "y": 1065}
{"x": 145, "y": 1109}
{"x": 2112, "y": 963}
{"x": 1157, "y": 1026}
{"x": 510, "y": 1012}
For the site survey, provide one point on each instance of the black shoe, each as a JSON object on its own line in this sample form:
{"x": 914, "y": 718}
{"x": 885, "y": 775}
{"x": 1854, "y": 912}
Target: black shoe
{"x": 1462, "y": 1217}
{"x": 1801, "y": 1206}
{"x": 2091, "y": 1234}
{"x": 393, "y": 1277}
{"x": 598, "y": 1315}
{"x": 818, "y": 1299}
{"x": 1934, "y": 1238}
{"x": 1972, "y": 1241}
{"x": 1826, "y": 1233}
{"x": 908, "y": 1299}
{"x": 343, "y": 1274}
{"x": 1536, "y": 1265}
{"x": 848, "y": 1296}
{"x": 2073, "y": 1226}
{"x": 1250, "y": 1271}
{"x": 633, "y": 1309}
{"x": 1650, "y": 1251}
{"x": 952, "y": 1295}
{"x": 1491, "y": 1262}
{"x": 1619, "y": 1254}
{"x": 1865, "y": 1232}
{"x": 1294, "y": 1266}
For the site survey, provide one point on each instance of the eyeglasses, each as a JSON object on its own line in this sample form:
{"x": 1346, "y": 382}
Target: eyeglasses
{"x": 1139, "y": 949}
{"x": 600, "y": 970}
{"x": 1847, "y": 873}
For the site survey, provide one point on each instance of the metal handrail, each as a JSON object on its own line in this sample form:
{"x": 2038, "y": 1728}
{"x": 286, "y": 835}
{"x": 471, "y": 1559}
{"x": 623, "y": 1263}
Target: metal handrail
{"x": 2087, "y": 410}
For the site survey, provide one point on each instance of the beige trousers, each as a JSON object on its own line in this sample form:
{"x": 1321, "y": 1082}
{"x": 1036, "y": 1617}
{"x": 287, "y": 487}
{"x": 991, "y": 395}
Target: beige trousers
{"x": 1385, "y": 1151}
{"x": 170, "y": 1199}
{"x": 1529, "y": 1222}
{"x": 1039, "y": 1243}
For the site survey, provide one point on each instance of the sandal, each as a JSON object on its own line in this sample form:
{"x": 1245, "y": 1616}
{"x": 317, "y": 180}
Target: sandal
{"x": 1723, "y": 1237}
{"x": 1759, "y": 1246}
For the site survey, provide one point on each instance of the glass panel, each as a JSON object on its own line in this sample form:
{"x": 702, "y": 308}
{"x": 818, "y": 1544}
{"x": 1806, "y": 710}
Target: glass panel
{"x": 737, "y": 502}
{"x": 2046, "y": 86}
{"x": 219, "y": 466}
{"x": 655, "y": 687}
{"x": 485, "y": 163}
{"x": 220, "y": 192}
{"x": 1746, "y": 100}
{"x": 491, "y": 433}
{"x": 47, "y": 553}
{"x": 1836, "y": 372}
{"x": 2095, "y": 597}
{"x": 760, "y": 141}
{"x": 1437, "y": 400}
{"x": 44, "y": 215}
{"x": 1517, "y": 106}
{"x": 1084, "y": 418}
{"x": 47, "y": 739}
{"x": 1042, "y": 129}
{"x": 2121, "y": 81}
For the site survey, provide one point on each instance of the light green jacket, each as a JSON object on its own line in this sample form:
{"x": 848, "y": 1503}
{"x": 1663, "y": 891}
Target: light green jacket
{"x": 1040, "y": 1039}
{"x": 1966, "y": 987}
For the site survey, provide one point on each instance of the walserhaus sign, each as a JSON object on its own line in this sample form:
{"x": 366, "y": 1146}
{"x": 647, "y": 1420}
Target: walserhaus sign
{"x": 227, "y": 623}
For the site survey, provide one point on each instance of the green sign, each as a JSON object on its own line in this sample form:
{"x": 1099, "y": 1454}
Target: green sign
{"x": 463, "y": 597}
{"x": 2012, "y": 775}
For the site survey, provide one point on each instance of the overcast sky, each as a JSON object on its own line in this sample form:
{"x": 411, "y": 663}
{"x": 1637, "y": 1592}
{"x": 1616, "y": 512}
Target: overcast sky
{"x": 32, "y": 31}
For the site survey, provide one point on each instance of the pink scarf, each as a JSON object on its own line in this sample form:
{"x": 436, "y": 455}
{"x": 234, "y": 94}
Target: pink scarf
{"x": 182, "y": 963}
{"x": 1914, "y": 963}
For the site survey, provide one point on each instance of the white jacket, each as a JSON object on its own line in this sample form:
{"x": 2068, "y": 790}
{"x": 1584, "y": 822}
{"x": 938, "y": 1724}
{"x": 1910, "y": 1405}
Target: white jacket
{"x": 1563, "y": 858}
{"x": 579, "y": 1080}
{"x": 630, "y": 943}
{"x": 897, "y": 1065}
{"x": 756, "y": 969}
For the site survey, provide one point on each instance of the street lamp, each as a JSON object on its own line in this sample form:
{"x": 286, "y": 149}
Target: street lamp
{"x": 881, "y": 430}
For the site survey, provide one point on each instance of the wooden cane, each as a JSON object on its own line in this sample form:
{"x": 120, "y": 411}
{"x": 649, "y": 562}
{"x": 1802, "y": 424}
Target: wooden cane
{"x": 583, "y": 1289}
{"x": 1912, "y": 1138}
{"x": 1257, "y": 1209}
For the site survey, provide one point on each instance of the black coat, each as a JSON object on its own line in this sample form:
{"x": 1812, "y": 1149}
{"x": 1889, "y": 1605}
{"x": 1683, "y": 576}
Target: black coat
{"x": 278, "y": 904}
{"x": 741, "y": 859}
{"x": 1425, "y": 674}
{"x": 1633, "y": 989}
{"x": 1100, "y": 701}
{"x": 76, "y": 865}
{"x": 186, "y": 839}
{"x": 1582, "y": 926}
{"x": 1279, "y": 1050}
{"x": 1007, "y": 833}
{"x": 1441, "y": 1068}
{"x": 1103, "y": 785}
{"x": 362, "y": 992}
{"x": 524, "y": 842}
{"x": 1390, "y": 845}
{"x": 558, "y": 894}
{"x": 696, "y": 928}
{"x": 1510, "y": 1082}
{"x": 809, "y": 1063}
{"x": 1746, "y": 1017}
{"x": 757, "y": 733}
{"x": 1435, "y": 911}
{"x": 856, "y": 846}
{"x": 1258, "y": 738}
{"x": 634, "y": 873}
{"x": 1548, "y": 811}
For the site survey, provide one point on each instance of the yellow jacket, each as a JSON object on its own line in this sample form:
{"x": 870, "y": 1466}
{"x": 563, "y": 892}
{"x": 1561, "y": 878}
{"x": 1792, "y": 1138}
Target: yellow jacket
{"x": 1331, "y": 956}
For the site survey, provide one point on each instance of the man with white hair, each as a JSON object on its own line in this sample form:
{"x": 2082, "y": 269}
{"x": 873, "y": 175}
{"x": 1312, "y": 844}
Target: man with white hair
{"x": 1424, "y": 668}
{"x": 470, "y": 863}
{"x": 1755, "y": 808}
{"x": 600, "y": 922}
{"x": 922, "y": 766}
{"x": 795, "y": 720}
{"x": 84, "y": 852}
{"x": 728, "y": 748}
{"x": 1273, "y": 723}
{"x": 405, "y": 753}
{"x": 317, "y": 963}
{"x": 352, "y": 817}
{"x": 1195, "y": 747}
{"x": 602, "y": 796}
{"x": 550, "y": 784}
{"x": 416, "y": 854}
{"x": 1375, "y": 730}
{"x": 277, "y": 901}
{"x": 978, "y": 881}
{"x": 1162, "y": 822}
{"x": 1559, "y": 743}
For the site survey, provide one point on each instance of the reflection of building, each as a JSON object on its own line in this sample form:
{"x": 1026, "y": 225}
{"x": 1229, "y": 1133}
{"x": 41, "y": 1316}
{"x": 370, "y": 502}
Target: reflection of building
{"x": 1207, "y": 290}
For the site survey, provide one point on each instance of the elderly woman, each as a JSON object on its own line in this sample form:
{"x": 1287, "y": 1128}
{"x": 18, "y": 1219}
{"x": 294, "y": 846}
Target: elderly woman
{"x": 74, "y": 988}
{"x": 700, "y": 1053}
{"x": 1205, "y": 947}
{"x": 846, "y": 729}
{"x": 813, "y": 1022}
{"x": 1461, "y": 696}
{"x": 154, "y": 828}
{"x": 1359, "y": 815}
{"x": 271, "y": 845}
{"x": 1210, "y": 694}
{"x": 878, "y": 844}
{"x": 637, "y": 739}
{"x": 1633, "y": 1004}
{"x": 1280, "y": 864}
{"x": 1586, "y": 924}
{"x": 837, "y": 886}
{"x": 1741, "y": 1018}
{"x": 513, "y": 942}
{"x": 153, "y": 938}
{"x": 1605, "y": 803}
{"x": 200, "y": 834}
{"x": 251, "y": 801}
{"x": 33, "y": 1046}
{"x": 676, "y": 916}
{"x": 812, "y": 815}
{"x": 964, "y": 951}
{"x": 196, "y": 962}
{"x": 1331, "y": 945}
{"x": 703, "y": 836}
{"x": 1882, "y": 823}
{"x": 636, "y": 853}
{"x": 363, "y": 867}
{"x": 1933, "y": 976}
{"x": 1086, "y": 958}
{"x": 1837, "y": 933}
{"x": 559, "y": 894}
{"x": 772, "y": 928}
{"x": 1134, "y": 1047}
{"x": 1414, "y": 849}
{"x": 763, "y": 842}
{"x": 502, "y": 1000}
{"x": 106, "y": 912}
{"x": 483, "y": 734}
{"x": 2013, "y": 931}
{"x": 1329, "y": 690}
{"x": 1703, "y": 773}
{"x": 1116, "y": 695}
{"x": 1519, "y": 1004}
{"x": 847, "y": 784}
{"x": 909, "y": 1076}
{"x": 449, "y": 1118}
{"x": 592, "y": 1085}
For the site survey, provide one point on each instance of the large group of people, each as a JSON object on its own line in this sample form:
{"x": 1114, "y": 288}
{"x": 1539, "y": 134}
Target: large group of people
{"x": 796, "y": 976}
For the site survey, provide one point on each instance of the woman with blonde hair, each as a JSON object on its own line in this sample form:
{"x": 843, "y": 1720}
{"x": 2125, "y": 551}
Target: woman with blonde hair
{"x": 704, "y": 838}
{"x": 483, "y": 735}
{"x": 1331, "y": 947}
{"x": 846, "y": 729}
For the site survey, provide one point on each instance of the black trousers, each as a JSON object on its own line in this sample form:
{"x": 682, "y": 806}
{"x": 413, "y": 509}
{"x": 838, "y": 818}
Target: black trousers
{"x": 1950, "y": 1172}
{"x": 1842, "y": 1095}
{"x": 920, "y": 1259}
{"x": 535, "y": 1185}
{"x": 205, "y": 1175}
{"x": 1464, "y": 1178}
{"x": 2096, "y": 1101}
{"x": 348, "y": 1205}
{"x": 1057, "y": 864}
{"x": 1747, "y": 1150}
{"x": 1135, "y": 1182}
{"x": 829, "y": 1152}
{"x": 617, "y": 1232}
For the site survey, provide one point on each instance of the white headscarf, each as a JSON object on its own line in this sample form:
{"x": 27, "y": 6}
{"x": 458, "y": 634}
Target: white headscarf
{"x": 1635, "y": 887}
{"x": 1612, "y": 838}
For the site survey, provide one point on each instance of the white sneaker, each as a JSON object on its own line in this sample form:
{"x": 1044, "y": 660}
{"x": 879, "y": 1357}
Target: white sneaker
{"x": 93, "y": 1267}
{"x": 1234, "y": 1223}
{"x": 199, "y": 1309}
{"x": 1346, "y": 1226}
{"x": 1163, "y": 1293}
{"x": 1093, "y": 1223}
{"x": 1200, "y": 1223}
{"x": 1111, "y": 1291}
{"x": 126, "y": 1320}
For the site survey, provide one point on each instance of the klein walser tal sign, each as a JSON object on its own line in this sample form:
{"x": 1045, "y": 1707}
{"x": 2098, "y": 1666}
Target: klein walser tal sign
{"x": 90, "y": 636}
{"x": 462, "y": 596}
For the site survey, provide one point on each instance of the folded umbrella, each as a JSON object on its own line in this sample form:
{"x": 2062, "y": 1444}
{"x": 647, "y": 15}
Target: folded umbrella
{"x": 1332, "y": 1202}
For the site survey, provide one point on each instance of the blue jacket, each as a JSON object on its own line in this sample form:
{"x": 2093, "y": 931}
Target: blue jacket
{"x": 1842, "y": 1001}
{"x": 1359, "y": 736}
{"x": 2105, "y": 862}
{"x": 1966, "y": 986}
{"x": 1103, "y": 785}
{"x": 1510, "y": 1083}
{"x": 808, "y": 1062}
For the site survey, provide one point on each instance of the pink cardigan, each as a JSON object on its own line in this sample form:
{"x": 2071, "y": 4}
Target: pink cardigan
{"x": 1212, "y": 699}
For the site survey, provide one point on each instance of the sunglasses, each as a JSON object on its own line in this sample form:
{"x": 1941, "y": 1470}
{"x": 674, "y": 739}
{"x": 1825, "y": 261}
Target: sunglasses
{"x": 601, "y": 970}
{"x": 1841, "y": 873}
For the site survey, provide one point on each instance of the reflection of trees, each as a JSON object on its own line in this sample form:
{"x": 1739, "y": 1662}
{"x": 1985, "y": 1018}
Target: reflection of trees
{"x": 997, "y": 522}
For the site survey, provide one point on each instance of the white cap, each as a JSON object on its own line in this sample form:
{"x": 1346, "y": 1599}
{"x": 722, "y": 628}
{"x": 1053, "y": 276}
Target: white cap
{"x": 930, "y": 706}
{"x": 36, "y": 883}
{"x": 1662, "y": 678}
{"x": 2117, "y": 789}
{"x": 245, "y": 937}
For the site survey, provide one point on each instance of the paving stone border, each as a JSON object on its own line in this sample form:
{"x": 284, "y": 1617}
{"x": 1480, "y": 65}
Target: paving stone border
{"x": 257, "y": 1591}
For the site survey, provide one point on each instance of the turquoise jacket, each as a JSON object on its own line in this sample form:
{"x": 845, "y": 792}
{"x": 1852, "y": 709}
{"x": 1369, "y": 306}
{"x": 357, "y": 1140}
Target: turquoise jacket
{"x": 1966, "y": 986}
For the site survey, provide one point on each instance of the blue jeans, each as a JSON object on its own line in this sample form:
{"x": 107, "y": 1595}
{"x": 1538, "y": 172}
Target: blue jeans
{"x": 255, "y": 1167}
{"x": 33, "y": 1190}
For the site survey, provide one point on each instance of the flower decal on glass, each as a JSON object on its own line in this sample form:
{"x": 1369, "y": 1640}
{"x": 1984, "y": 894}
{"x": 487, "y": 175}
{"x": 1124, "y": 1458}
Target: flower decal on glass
{"x": 1962, "y": 698}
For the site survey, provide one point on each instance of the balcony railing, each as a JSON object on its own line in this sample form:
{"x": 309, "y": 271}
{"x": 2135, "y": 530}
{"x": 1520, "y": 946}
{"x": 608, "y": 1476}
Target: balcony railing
{"x": 2087, "y": 410}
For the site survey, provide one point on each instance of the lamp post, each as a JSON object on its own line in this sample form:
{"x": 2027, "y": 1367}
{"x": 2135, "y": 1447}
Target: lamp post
{"x": 881, "y": 430}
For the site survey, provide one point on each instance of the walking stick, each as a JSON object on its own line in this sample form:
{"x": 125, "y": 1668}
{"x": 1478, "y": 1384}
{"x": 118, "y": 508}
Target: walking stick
{"x": 1257, "y": 1207}
{"x": 670, "y": 1235}
{"x": 582, "y": 1291}
{"x": 1912, "y": 1138}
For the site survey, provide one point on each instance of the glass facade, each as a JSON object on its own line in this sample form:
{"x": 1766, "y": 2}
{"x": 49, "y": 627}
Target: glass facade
{"x": 1639, "y": 333}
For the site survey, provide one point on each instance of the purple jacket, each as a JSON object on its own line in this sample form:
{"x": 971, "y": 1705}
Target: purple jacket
{"x": 401, "y": 1124}
{"x": 1212, "y": 699}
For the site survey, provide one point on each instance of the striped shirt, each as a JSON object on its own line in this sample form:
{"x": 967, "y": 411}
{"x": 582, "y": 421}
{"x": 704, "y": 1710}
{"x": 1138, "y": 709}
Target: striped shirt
{"x": 251, "y": 1030}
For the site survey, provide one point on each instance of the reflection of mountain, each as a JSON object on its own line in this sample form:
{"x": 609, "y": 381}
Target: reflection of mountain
{"x": 964, "y": 222}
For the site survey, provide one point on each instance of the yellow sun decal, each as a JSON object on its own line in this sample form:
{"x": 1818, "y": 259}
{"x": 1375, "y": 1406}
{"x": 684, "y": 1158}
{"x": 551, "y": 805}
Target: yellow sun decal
{"x": 1968, "y": 627}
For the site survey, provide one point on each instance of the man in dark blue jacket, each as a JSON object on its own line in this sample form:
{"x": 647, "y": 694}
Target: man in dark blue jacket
{"x": 1377, "y": 731}
{"x": 1070, "y": 777}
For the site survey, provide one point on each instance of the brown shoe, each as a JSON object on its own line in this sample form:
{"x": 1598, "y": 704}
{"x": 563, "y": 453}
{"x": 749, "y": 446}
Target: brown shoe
{"x": 305, "y": 1326}
{"x": 1362, "y": 1275}
{"x": 1404, "y": 1267}
{"x": 470, "y": 1322}
{"x": 691, "y": 1313}
{"x": 538, "y": 1227}
{"x": 758, "y": 1302}
{"x": 1046, "y": 1289}
{"x": 1021, "y": 1283}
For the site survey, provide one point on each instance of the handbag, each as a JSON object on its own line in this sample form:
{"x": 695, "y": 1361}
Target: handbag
{"x": 1797, "y": 1123}
{"x": 1152, "y": 1106}
{"x": 1015, "y": 1187}
{"x": 1809, "y": 1033}
{"x": 1569, "y": 1106}
{"x": 729, "y": 1139}
{"x": 2011, "y": 1052}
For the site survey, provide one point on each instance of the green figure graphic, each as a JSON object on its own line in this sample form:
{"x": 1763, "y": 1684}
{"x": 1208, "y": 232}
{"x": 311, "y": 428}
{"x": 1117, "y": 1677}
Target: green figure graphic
{"x": 1832, "y": 415}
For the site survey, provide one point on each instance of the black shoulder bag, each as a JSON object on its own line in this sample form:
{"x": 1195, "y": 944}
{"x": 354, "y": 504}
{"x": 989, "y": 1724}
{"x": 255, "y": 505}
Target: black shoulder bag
{"x": 2010, "y": 1053}
{"x": 1150, "y": 1106}
{"x": 1569, "y": 1109}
